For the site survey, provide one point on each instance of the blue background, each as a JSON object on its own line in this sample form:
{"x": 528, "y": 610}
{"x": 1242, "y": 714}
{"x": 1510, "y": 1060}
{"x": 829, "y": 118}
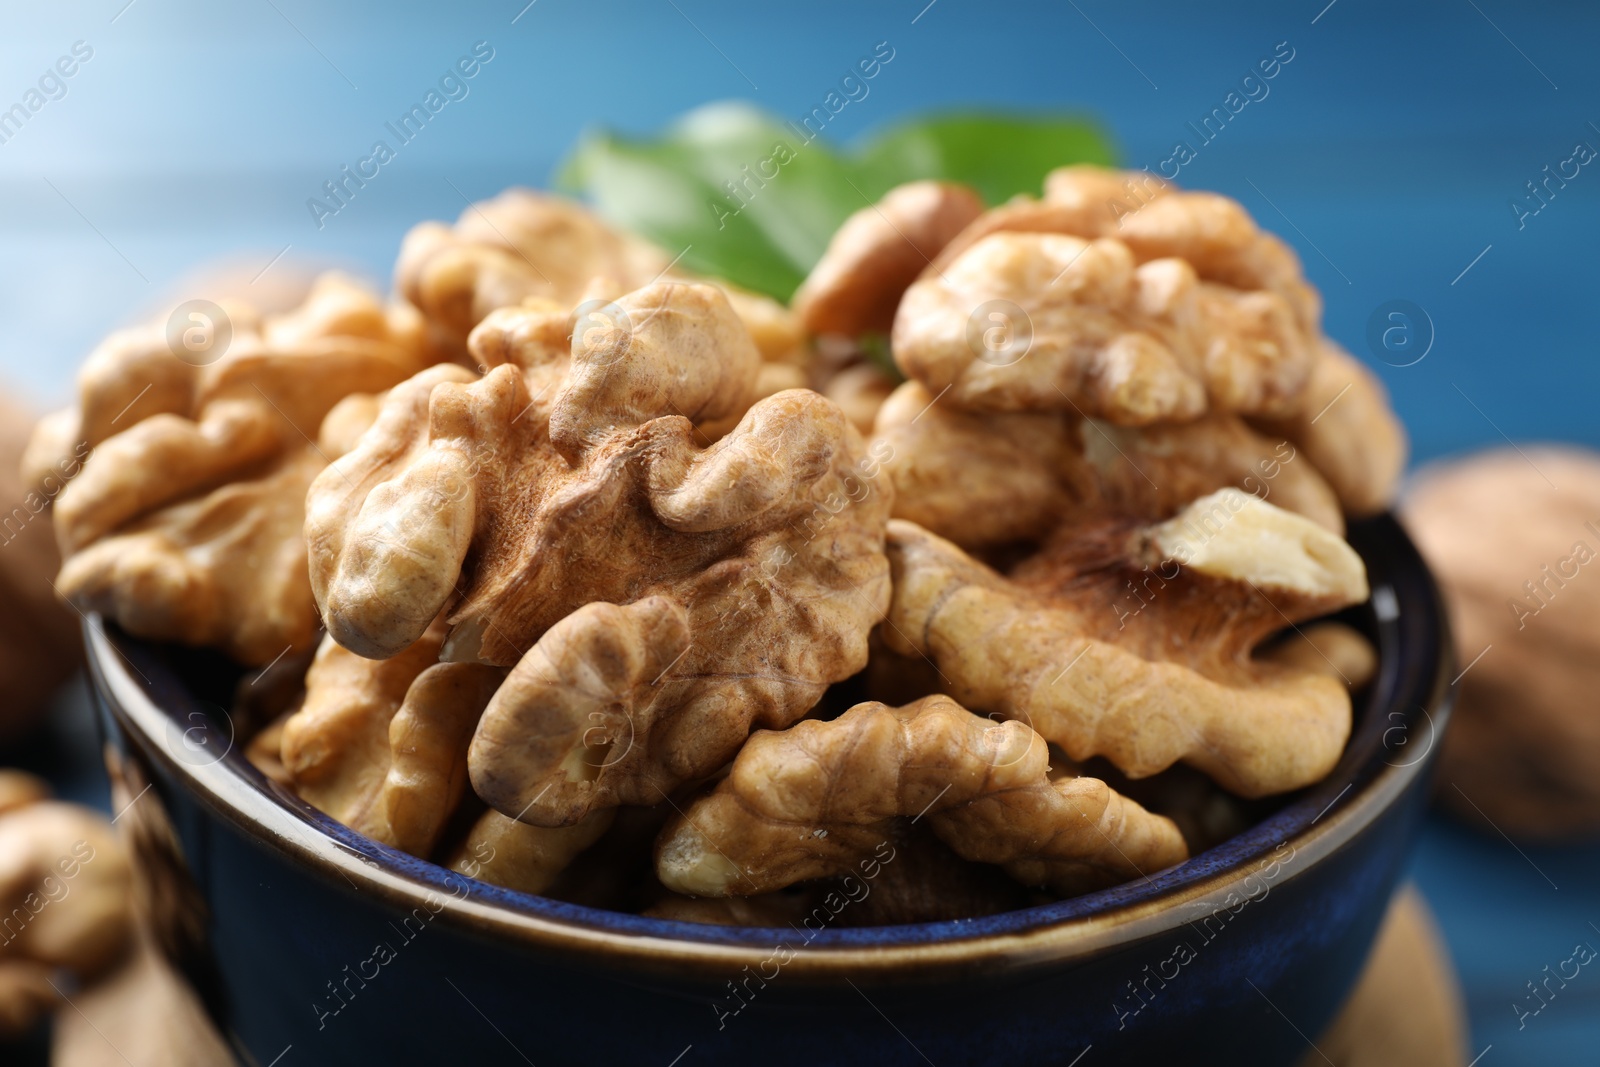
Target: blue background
{"x": 1388, "y": 153}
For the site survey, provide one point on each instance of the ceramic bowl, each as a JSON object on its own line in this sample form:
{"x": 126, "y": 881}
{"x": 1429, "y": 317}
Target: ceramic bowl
{"x": 314, "y": 945}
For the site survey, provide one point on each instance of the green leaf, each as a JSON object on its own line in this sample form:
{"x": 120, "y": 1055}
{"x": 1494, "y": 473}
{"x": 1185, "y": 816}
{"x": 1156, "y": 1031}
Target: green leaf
{"x": 746, "y": 197}
{"x": 999, "y": 155}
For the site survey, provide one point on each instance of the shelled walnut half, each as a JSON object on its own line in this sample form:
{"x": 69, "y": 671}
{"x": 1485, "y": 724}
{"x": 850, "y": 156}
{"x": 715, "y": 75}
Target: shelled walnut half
{"x": 1135, "y": 640}
{"x": 817, "y": 799}
{"x": 183, "y": 523}
{"x": 656, "y": 594}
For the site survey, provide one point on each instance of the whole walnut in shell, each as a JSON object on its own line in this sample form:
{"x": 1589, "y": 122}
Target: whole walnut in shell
{"x": 66, "y": 895}
{"x": 1513, "y": 536}
{"x": 39, "y": 645}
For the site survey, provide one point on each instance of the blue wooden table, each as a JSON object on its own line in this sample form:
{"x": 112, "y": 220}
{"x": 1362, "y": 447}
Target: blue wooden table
{"x": 1397, "y": 150}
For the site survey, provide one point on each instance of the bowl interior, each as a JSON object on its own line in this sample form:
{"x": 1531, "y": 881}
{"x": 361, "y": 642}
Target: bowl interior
{"x": 1397, "y": 720}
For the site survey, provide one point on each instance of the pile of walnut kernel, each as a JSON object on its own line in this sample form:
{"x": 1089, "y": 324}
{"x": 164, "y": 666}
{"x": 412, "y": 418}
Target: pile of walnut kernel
{"x": 588, "y": 577}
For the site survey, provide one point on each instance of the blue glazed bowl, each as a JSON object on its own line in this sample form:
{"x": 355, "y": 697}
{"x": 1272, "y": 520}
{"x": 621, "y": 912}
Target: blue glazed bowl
{"x": 313, "y": 945}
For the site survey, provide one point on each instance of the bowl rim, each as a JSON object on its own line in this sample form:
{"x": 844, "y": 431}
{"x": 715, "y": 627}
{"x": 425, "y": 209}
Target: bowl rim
{"x": 1408, "y": 619}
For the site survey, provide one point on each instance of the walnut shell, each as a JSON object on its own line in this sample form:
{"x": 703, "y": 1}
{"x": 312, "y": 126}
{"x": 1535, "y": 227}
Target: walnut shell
{"x": 1512, "y": 536}
{"x": 39, "y": 643}
{"x": 66, "y": 894}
